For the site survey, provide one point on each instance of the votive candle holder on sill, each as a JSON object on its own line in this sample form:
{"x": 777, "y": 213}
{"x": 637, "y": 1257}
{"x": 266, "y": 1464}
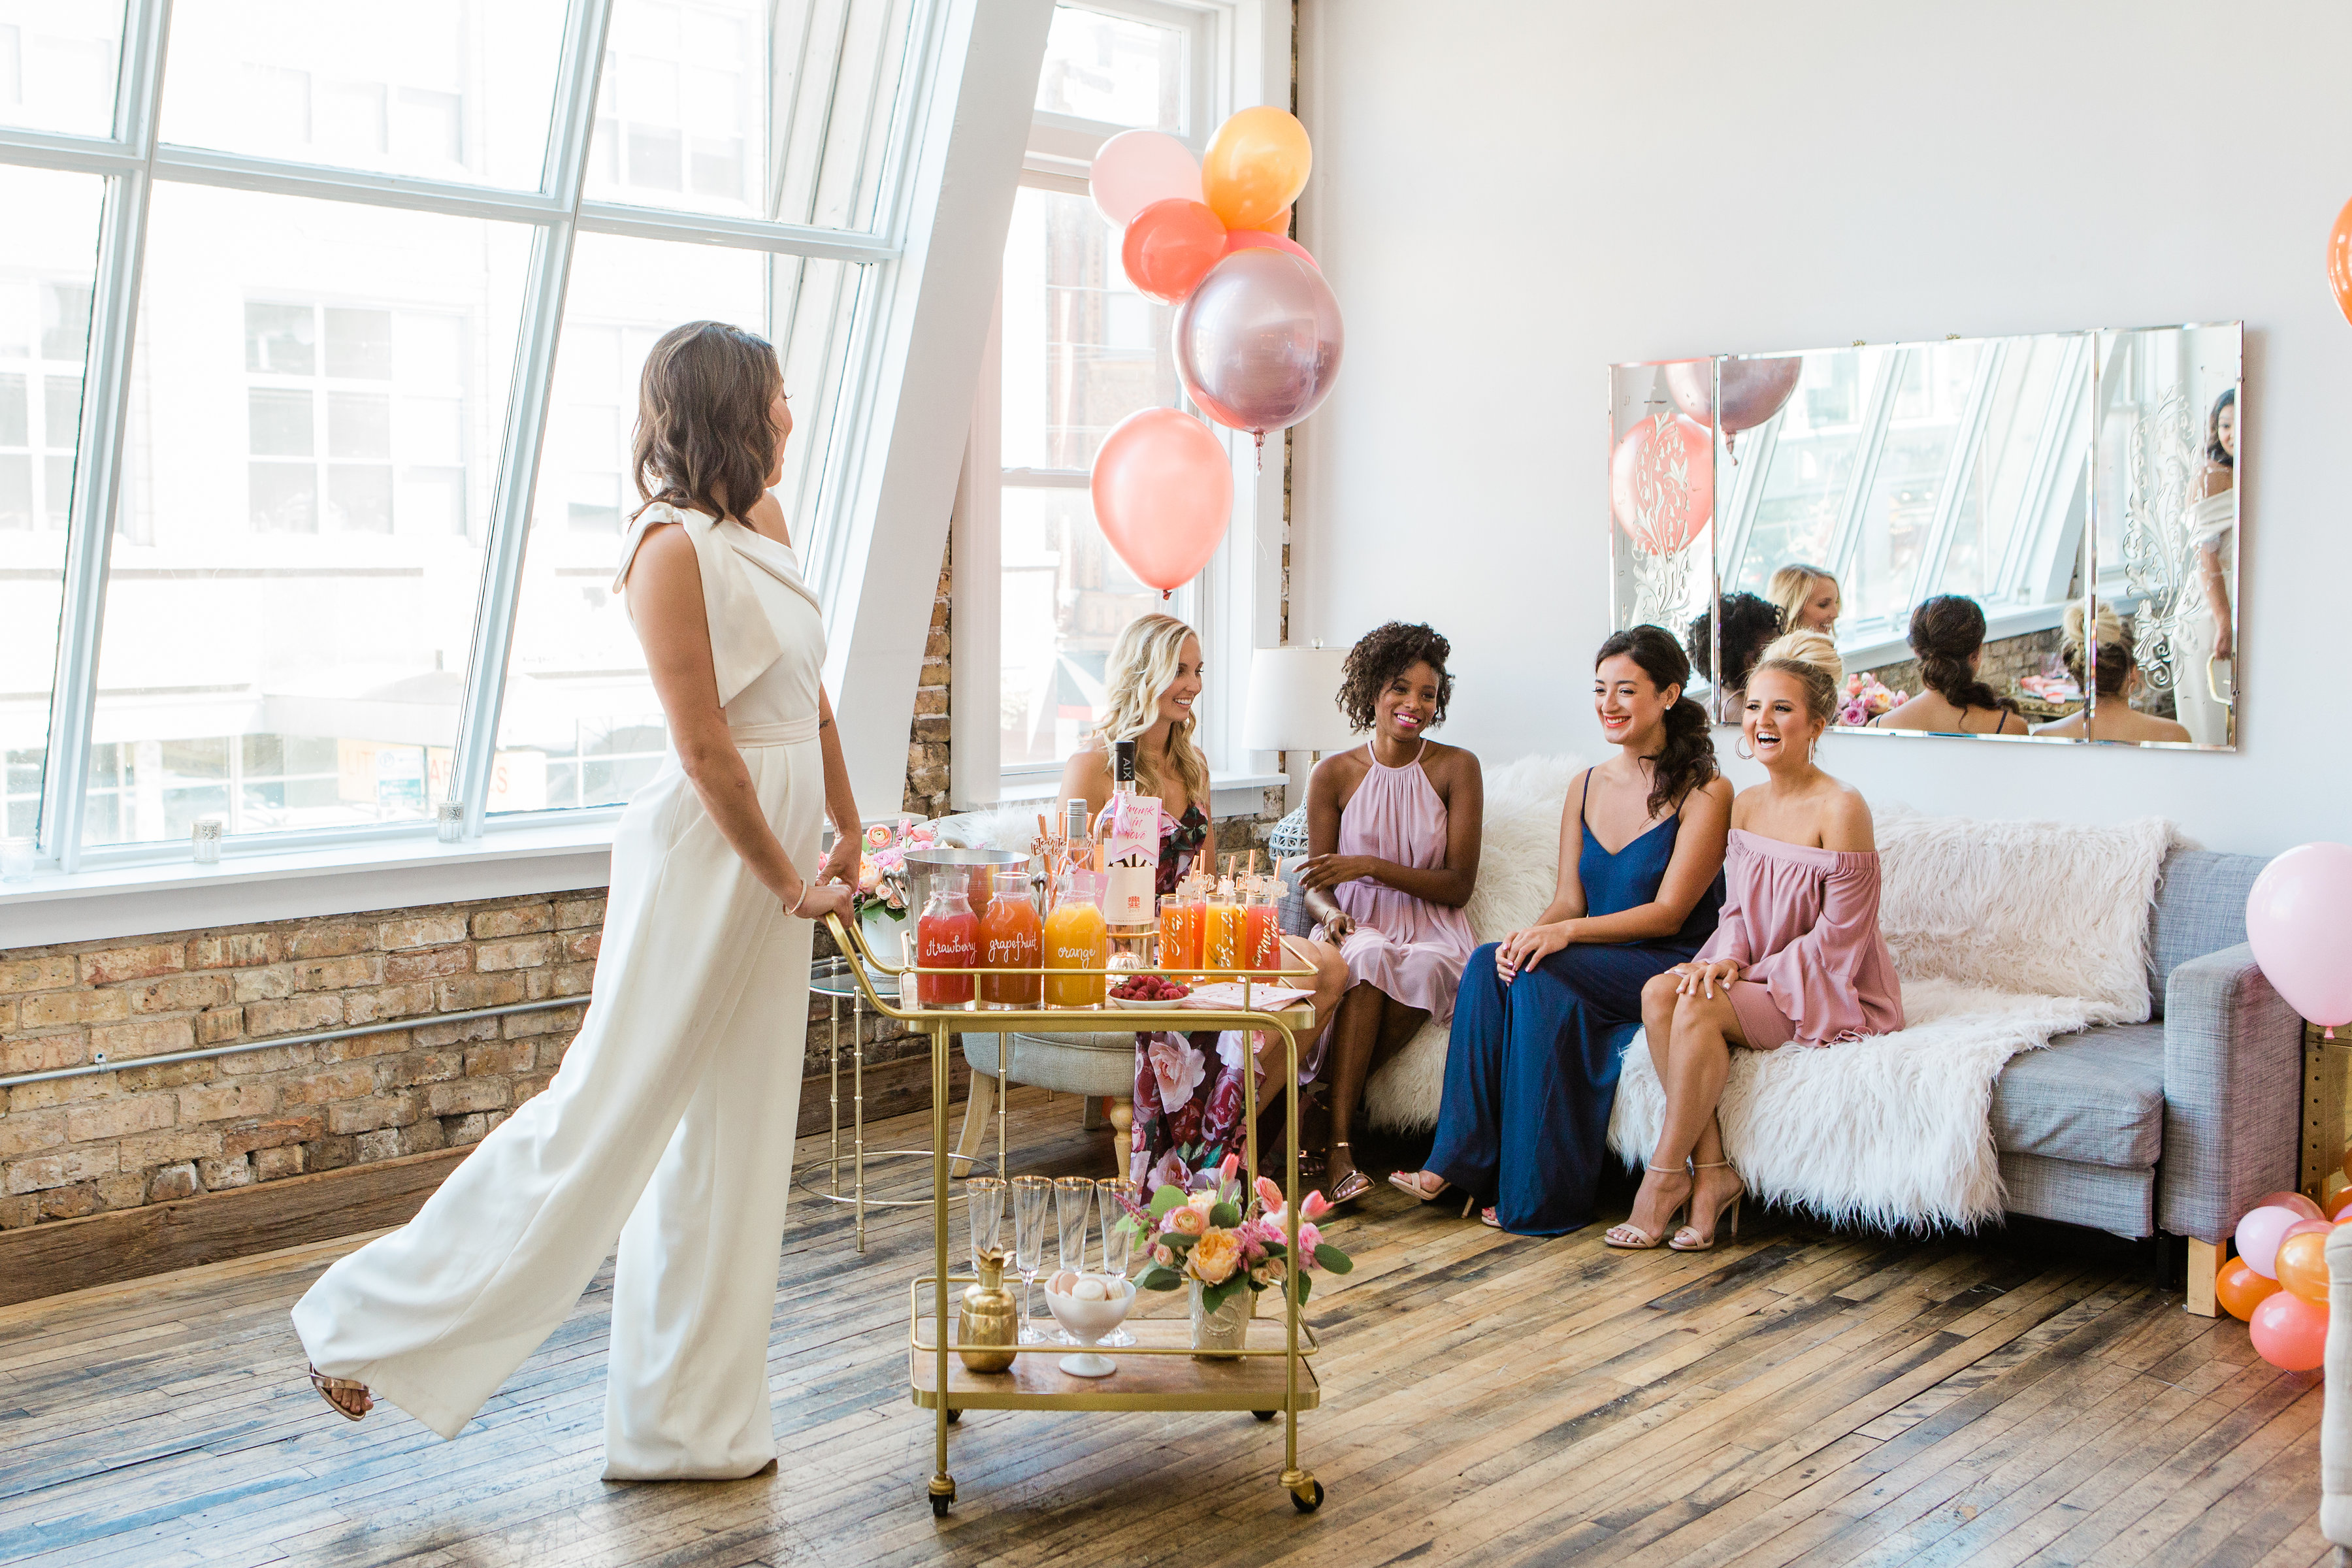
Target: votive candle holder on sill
{"x": 204, "y": 840}
{"x": 16, "y": 860}
{"x": 449, "y": 821}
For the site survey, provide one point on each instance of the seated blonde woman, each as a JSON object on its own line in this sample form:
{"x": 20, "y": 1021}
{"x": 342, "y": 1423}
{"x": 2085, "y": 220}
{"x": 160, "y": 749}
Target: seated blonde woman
{"x": 1188, "y": 1088}
{"x": 1807, "y": 597}
{"x": 2108, "y": 669}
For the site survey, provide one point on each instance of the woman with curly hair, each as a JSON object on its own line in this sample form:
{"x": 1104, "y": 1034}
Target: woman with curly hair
{"x": 1546, "y": 1013}
{"x": 1741, "y": 624}
{"x": 1188, "y": 1088}
{"x": 1393, "y": 834}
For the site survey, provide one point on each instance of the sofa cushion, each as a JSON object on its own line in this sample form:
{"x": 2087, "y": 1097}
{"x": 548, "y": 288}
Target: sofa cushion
{"x": 2096, "y": 1099}
{"x": 2200, "y": 908}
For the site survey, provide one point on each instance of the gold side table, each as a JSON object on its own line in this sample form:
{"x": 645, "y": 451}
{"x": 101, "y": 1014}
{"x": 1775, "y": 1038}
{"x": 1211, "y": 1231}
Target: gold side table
{"x": 833, "y": 979}
{"x": 2326, "y": 1114}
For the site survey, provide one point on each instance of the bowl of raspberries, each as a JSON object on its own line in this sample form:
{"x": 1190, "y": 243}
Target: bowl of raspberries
{"x": 1148, "y": 991}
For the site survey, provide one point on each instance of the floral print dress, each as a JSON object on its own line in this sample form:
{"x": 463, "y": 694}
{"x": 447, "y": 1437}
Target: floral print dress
{"x": 1187, "y": 1087}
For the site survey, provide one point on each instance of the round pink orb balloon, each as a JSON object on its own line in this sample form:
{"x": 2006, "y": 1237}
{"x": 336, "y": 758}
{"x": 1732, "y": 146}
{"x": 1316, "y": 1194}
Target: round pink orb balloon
{"x": 2299, "y": 920}
{"x": 1258, "y": 340}
{"x": 1752, "y": 390}
{"x": 2289, "y": 1332}
{"x": 1136, "y": 168}
{"x": 2259, "y": 1235}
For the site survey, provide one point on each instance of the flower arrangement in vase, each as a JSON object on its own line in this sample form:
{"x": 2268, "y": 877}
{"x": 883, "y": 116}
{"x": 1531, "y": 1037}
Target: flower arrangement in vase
{"x": 881, "y": 899}
{"x": 1865, "y": 699}
{"x": 1226, "y": 1245}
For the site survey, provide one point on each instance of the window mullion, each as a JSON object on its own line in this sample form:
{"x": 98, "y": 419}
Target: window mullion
{"x": 527, "y": 404}
{"x": 98, "y": 448}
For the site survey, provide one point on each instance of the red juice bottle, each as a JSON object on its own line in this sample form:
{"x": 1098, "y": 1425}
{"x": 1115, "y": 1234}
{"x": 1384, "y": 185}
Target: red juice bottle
{"x": 947, "y": 937}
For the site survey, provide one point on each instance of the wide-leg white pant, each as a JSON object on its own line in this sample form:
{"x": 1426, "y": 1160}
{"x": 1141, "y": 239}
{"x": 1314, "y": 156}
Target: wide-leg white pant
{"x": 673, "y": 1111}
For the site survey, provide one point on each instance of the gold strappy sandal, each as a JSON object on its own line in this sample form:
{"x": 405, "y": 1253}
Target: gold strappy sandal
{"x": 329, "y": 1387}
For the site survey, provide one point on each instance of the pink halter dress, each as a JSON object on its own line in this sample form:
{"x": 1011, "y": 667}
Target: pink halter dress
{"x": 1410, "y": 948}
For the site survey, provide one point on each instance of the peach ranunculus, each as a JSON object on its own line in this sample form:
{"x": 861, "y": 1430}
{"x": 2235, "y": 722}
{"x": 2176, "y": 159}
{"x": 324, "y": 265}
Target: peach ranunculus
{"x": 1214, "y": 1256}
{"x": 1177, "y": 1069}
{"x": 1186, "y": 1220}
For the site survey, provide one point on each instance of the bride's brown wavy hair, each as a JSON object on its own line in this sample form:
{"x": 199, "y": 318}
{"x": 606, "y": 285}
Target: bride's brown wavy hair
{"x": 703, "y": 438}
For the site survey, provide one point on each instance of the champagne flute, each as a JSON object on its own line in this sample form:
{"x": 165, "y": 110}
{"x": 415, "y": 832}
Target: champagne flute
{"x": 1030, "y": 1197}
{"x": 1119, "y": 1240}
{"x": 1072, "y": 1197}
{"x": 983, "y": 1197}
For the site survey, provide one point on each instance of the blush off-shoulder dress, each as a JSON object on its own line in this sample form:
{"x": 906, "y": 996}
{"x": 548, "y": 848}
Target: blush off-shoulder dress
{"x": 1802, "y": 923}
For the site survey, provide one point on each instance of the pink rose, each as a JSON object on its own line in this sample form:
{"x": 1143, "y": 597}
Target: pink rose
{"x": 1185, "y": 1125}
{"x": 1186, "y": 1220}
{"x": 1163, "y": 1255}
{"x": 1222, "y": 1115}
{"x": 1177, "y": 1069}
{"x": 1169, "y": 1172}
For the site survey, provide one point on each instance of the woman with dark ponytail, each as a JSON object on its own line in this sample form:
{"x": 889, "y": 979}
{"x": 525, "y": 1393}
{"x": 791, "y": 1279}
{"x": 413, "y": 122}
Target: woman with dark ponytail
{"x": 1948, "y": 635}
{"x": 1542, "y": 1018}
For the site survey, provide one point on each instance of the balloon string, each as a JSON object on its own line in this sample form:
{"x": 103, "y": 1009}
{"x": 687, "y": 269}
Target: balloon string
{"x": 1260, "y": 437}
{"x": 1166, "y": 594}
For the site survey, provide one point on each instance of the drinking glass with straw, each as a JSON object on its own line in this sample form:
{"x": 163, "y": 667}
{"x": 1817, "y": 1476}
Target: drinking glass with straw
{"x": 1072, "y": 1197}
{"x": 1030, "y": 1197}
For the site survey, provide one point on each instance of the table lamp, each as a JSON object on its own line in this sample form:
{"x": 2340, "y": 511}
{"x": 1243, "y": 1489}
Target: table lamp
{"x": 1293, "y": 700}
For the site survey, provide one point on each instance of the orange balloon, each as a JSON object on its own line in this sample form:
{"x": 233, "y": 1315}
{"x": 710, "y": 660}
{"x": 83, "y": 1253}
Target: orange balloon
{"x": 2240, "y": 1290}
{"x": 2290, "y": 1332}
{"x": 2343, "y": 1210}
{"x": 1280, "y": 224}
{"x": 2340, "y": 278}
{"x": 1170, "y": 247}
{"x": 2303, "y": 1267}
{"x": 1255, "y": 166}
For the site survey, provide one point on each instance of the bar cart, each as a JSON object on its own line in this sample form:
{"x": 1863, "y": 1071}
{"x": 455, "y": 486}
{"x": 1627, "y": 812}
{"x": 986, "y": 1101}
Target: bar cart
{"x": 1271, "y": 1375}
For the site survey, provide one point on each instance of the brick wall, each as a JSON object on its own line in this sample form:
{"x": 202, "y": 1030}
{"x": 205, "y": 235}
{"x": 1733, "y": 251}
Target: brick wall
{"x": 927, "y": 742}
{"x": 2004, "y": 661}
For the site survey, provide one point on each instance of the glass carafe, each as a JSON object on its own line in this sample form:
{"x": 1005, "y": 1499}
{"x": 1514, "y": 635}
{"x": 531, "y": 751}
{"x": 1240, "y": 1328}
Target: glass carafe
{"x": 946, "y": 937}
{"x": 1011, "y": 936}
{"x": 1077, "y": 940}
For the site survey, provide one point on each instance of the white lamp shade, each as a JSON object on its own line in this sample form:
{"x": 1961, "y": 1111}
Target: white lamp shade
{"x": 1292, "y": 702}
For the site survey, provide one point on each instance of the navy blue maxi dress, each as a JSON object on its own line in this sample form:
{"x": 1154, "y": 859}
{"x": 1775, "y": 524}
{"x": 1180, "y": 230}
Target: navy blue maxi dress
{"x": 1531, "y": 1069}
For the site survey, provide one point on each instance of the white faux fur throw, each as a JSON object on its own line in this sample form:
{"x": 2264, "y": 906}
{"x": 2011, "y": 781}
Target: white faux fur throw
{"x": 2005, "y": 934}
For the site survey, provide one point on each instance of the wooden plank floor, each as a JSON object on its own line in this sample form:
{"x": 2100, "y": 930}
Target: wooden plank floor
{"x": 1801, "y": 1397}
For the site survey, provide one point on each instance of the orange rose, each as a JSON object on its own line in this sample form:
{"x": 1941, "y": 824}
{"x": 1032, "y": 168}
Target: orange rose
{"x": 1186, "y": 1220}
{"x": 1215, "y": 1256}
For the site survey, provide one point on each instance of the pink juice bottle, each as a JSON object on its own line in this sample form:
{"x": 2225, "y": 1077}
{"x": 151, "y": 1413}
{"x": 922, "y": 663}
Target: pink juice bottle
{"x": 946, "y": 937}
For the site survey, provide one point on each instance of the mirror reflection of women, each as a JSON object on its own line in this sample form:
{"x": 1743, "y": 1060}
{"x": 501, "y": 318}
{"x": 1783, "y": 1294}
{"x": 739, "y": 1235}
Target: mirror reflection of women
{"x": 2107, "y": 666}
{"x": 1544, "y": 1016}
{"x": 2206, "y": 659}
{"x": 1808, "y": 598}
{"x": 1741, "y": 626}
{"x": 1394, "y": 826}
{"x": 1948, "y": 637}
{"x": 1796, "y": 955}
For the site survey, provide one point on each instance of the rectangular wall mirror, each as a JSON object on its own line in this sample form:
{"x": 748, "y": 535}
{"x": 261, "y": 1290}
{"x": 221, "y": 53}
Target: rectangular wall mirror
{"x": 2026, "y": 538}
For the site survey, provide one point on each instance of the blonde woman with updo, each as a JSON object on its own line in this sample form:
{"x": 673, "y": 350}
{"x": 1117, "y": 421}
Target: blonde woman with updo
{"x": 1188, "y": 1090}
{"x": 2107, "y": 666}
{"x": 1796, "y": 954}
{"x": 1808, "y": 598}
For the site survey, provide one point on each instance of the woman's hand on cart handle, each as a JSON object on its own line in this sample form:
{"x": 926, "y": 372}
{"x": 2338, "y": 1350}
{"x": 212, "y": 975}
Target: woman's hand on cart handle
{"x": 823, "y": 898}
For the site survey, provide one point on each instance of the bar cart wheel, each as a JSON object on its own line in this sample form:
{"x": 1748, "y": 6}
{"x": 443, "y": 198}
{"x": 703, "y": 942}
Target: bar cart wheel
{"x": 954, "y": 1416}
{"x": 1266, "y": 1415}
{"x": 939, "y": 1498}
{"x": 1305, "y": 1502}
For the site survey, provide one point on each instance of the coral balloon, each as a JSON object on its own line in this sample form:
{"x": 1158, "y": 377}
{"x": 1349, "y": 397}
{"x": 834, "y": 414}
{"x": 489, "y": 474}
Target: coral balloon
{"x": 1258, "y": 344}
{"x": 1169, "y": 247}
{"x": 2240, "y": 1290}
{"x": 1136, "y": 168}
{"x": 1256, "y": 166}
{"x": 1259, "y": 239}
{"x": 1278, "y": 224}
{"x": 2339, "y": 260}
{"x": 2289, "y": 1332}
{"x": 2259, "y": 1235}
{"x": 2343, "y": 1207}
{"x": 1164, "y": 492}
{"x": 2299, "y": 920}
{"x": 1661, "y": 482}
{"x": 2296, "y": 1201}
{"x": 2303, "y": 1266}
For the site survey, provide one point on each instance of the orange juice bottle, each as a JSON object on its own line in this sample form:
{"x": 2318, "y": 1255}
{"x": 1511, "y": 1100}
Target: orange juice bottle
{"x": 1221, "y": 945}
{"x": 1076, "y": 939}
{"x": 1010, "y": 937}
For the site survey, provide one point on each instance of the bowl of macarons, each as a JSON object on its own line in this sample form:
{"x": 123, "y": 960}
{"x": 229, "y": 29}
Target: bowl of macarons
{"x": 1089, "y": 1305}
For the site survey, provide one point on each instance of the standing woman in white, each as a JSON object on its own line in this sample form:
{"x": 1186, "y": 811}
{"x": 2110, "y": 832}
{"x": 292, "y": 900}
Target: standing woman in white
{"x": 675, "y": 1104}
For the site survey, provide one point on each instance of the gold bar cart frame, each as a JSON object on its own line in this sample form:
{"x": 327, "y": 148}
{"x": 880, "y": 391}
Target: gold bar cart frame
{"x": 1300, "y": 1390}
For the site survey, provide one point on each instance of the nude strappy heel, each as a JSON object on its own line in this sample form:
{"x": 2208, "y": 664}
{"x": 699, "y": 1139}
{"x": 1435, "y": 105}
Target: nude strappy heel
{"x": 1694, "y": 1244}
{"x": 1638, "y": 1240}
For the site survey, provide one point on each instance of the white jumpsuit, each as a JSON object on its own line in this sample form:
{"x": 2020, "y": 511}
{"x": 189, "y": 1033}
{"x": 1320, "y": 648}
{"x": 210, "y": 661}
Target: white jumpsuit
{"x": 674, "y": 1108}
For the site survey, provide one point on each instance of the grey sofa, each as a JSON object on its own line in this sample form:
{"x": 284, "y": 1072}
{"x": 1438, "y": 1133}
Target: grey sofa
{"x": 2174, "y": 1125}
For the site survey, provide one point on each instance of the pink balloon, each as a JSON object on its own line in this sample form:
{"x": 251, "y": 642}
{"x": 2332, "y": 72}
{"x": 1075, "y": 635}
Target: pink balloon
{"x": 1248, "y": 238}
{"x": 1258, "y": 340}
{"x": 1136, "y": 168}
{"x": 2259, "y": 1235}
{"x": 1661, "y": 482}
{"x": 2296, "y": 1201}
{"x": 2299, "y": 920}
{"x": 2289, "y": 1332}
{"x": 1753, "y": 390}
{"x": 1164, "y": 492}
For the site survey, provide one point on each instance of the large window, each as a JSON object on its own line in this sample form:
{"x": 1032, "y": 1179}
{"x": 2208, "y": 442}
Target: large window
{"x": 357, "y": 296}
{"x": 1077, "y": 350}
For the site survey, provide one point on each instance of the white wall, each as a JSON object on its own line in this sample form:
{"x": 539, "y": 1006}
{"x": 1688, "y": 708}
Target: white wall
{"x": 1509, "y": 195}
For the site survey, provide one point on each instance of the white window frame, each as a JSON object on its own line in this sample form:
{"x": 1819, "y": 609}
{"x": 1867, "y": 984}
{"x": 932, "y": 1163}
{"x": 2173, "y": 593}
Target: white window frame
{"x": 1240, "y": 55}
{"x": 923, "y": 122}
